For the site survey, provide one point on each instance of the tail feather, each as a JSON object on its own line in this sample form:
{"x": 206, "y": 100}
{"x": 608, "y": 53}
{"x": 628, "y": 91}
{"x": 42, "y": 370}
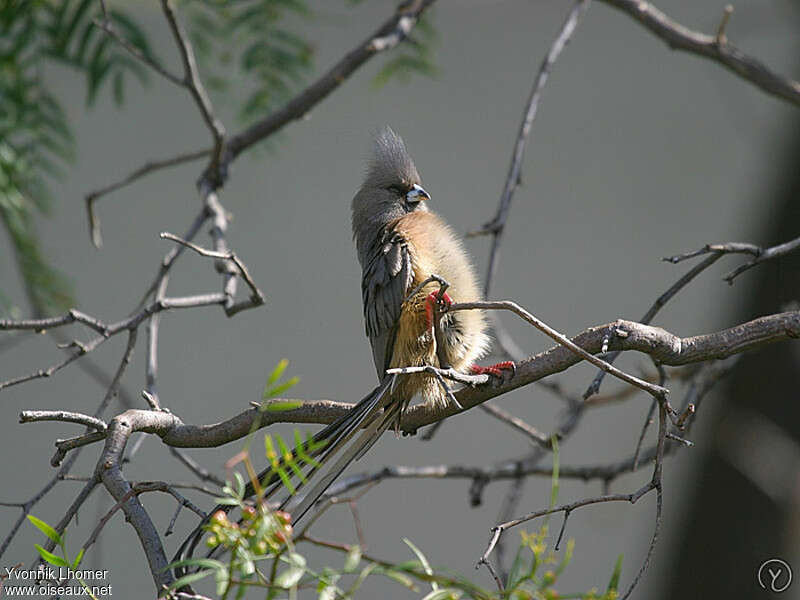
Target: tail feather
{"x": 335, "y": 436}
{"x": 355, "y": 450}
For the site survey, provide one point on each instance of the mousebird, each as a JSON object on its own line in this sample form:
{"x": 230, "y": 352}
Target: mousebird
{"x": 400, "y": 243}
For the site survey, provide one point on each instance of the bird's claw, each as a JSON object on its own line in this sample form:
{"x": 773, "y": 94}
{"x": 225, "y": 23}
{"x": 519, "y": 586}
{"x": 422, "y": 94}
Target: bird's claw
{"x": 435, "y": 299}
{"x": 495, "y": 370}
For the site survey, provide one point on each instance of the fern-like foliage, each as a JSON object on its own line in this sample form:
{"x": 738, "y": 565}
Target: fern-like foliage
{"x": 414, "y": 57}
{"x": 35, "y": 138}
{"x": 254, "y": 39}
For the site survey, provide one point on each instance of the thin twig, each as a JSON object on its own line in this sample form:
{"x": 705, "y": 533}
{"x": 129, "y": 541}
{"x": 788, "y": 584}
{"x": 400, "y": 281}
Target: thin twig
{"x": 497, "y": 225}
{"x": 257, "y": 296}
{"x": 202, "y": 473}
{"x": 42, "y": 325}
{"x": 130, "y": 324}
{"x": 531, "y": 432}
{"x": 498, "y": 530}
{"x": 149, "y": 167}
{"x": 173, "y": 255}
{"x": 191, "y": 77}
{"x": 648, "y": 317}
{"x": 760, "y": 255}
{"x": 107, "y": 25}
{"x": 654, "y": 390}
{"x": 31, "y": 416}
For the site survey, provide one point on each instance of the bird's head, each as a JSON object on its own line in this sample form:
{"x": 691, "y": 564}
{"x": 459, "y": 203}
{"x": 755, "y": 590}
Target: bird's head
{"x": 392, "y": 186}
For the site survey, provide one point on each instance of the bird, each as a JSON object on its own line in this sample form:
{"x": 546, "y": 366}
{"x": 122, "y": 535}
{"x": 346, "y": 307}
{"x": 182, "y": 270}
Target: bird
{"x": 405, "y": 251}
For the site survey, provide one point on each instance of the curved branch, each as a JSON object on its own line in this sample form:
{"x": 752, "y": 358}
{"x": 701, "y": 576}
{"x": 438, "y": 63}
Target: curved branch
{"x": 714, "y": 47}
{"x": 666, "y": 347}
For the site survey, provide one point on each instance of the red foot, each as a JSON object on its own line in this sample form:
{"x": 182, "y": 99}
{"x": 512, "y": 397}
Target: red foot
{"x": 496, "y": 370}
{"x": 430, "y": 301}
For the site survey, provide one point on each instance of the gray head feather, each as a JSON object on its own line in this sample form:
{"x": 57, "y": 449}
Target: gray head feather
{"x": 390, "y": 163}
{"x": 381, "y": 198}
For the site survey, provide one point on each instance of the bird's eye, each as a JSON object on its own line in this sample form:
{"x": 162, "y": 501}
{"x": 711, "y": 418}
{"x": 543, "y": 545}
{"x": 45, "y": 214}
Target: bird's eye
{"x": 399, "y": 189}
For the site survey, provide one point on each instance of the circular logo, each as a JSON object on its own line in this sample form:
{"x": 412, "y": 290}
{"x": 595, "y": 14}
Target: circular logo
{"x": 775, "y": 575}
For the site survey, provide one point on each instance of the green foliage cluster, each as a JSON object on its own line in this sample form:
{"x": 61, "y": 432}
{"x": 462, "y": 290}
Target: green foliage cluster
{"x": 266, "y": 536}
{"x": 415, "y": 57}
{"x": 59, "y": 539}
{"x": 251, "y": 38}
{"x": 35, "y": 138}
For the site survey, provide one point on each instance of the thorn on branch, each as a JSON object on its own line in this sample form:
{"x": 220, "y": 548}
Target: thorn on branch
{"x": 479, "y": 484}
{"x": 680, "y": 440}
{"x": 721, "y": 38}
{"x": 567, "y": 513}
{"x": 680, "y": 423}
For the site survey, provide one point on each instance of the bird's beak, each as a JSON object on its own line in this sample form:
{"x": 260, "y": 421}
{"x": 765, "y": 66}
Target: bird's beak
{"x": 417, "y": 193}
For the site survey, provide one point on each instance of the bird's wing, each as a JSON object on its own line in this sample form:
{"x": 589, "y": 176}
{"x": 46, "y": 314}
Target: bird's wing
{"x": 387, "y": 277}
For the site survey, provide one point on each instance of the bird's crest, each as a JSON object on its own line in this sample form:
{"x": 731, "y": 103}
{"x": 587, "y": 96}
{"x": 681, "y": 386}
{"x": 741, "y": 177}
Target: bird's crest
{"x": 390, "y": 161}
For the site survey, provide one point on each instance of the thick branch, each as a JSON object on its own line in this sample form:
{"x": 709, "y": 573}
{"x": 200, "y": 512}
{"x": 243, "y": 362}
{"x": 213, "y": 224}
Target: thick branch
{"x": 668, "y": 348}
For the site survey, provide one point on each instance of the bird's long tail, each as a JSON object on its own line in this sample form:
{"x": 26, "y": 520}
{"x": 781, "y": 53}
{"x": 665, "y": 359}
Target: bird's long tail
{"x": 374, "y": 413}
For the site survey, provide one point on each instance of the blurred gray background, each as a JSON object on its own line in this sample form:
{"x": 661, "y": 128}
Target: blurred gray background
{"x": 637, "y": 153}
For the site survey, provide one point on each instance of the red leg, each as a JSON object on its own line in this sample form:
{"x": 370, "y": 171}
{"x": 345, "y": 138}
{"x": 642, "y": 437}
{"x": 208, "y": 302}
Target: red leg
{"x": 496, "y": 369}
{"x": 430, "y": 301}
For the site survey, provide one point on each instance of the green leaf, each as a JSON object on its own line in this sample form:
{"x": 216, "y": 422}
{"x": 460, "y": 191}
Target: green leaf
{"x": 567, "y": 557}
{"x": 290, "y": 460}
{"x": 53, "y": 559}
{"x": 290, "y": 576}
{"x": 353, "y": 559}
{"x": 78, "y": 559}
{"x": 275, "y": 461}
{"x": 397, "y": 576}
{"x": 46, "y": 529}
{"x": 613, "y": 584}
{"x": 247, "y": 567}
{"x": 554, "y": 478}
{"x": 191, "y": 578}
{"x": 424, "y": 561}
{"x": 518, "y": 568}
{"x": 328, "y": 592}
{"x": 240, "y": 485}
{"x": 279, "y": 389}
{"x": 300, "y": 448}
{"x": 223, "y": 581}
{"x": 444, "y": 594}
{"x": 281, "y": 405}
{"x": 277, "y": 372}
{"x": 209, "y": 563}
{"x": 226, "y": 501}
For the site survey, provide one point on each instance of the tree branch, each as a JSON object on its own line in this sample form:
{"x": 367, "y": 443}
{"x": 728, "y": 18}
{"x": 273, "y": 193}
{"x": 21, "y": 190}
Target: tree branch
{"x": 668, "y": 348}
{"x": 758, "y": 253}
{"x": 714, "y": 47}
{"x": 391, "y": 33}
{"x": 149, "y": 167}
{"x": 496, "y": 226}
{"x": 191, "y": 78}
